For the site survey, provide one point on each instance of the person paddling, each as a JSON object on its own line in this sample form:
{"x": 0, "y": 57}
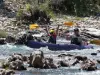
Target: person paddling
{"x": 77, "y": 38}
{"x": 52, "y": 35}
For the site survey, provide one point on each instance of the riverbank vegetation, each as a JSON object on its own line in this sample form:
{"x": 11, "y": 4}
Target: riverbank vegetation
{"x": 32, "y": 11}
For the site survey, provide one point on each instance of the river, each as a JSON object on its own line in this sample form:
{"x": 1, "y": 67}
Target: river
{"x": 8, "y": 49}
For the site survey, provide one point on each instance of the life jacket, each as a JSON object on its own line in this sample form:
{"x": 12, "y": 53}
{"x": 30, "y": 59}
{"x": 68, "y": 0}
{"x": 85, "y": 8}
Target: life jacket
{"x": 52, "y": 38}
{"x": 76, "y": 40}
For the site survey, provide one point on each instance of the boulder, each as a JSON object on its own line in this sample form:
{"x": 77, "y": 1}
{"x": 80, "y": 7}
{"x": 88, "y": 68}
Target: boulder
{"x": 17, "y": 65}
{"x": 49, "y": 63}
{"x": 2, "y": 41}
{"x": 36, "y": 59}
{"x": 6, "y": 72}
{"x": 82, "y": 58}
{"x": 98, "y": 61}
{"x": 88, "y": 65}
{"x": 15, "y": 62}
{"x": 63, "y": 63}
{"x": 17, "y": 56}
{"x": 75, "y": 62}
{"x": 10, "y": 39}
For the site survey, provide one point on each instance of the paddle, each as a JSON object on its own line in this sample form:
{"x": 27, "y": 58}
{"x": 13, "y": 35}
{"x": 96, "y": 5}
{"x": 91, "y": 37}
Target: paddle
{"x": 95, "y": 41}
{"x": 69, "y": 24}
{"x": 33, "y": 26}
{"x": 91, "y": 39}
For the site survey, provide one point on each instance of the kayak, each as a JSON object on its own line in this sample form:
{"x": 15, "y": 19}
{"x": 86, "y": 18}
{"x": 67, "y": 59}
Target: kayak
{"x": 67, "y": 47}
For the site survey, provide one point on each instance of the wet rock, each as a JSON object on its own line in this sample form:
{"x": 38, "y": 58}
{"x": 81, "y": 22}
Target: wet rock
{"x": 10, "y": 39}
{"x": 14, "y": 65}
{"x": 63, "y": 55}
{"x": 49, "y": 64}
{"x": 17, "y": 65}
{"x": 15, "y": 62}
{"x": 98, "y": 61}
{"x": 81, "y": 58}
{"x": 25, "y": 58}
{"x": 93, "y": 53}
{"x": 98, "y": 51}
{"x": 17, "y": 56}
{"x": 2, "y": 41}
{"x": 89, "y": 65}
{"x": 6, "y": 72}
{"x": 76, "y": 62}
{"x": 36, "y": 59}
{"x": 63, "y": 64}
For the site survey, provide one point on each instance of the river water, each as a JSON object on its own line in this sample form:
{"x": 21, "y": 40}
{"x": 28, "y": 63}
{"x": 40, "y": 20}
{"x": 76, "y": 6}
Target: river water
{"x": 8, "y": 49}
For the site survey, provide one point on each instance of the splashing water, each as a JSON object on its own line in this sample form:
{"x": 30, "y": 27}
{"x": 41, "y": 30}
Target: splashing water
{"x": 8, "y": 49}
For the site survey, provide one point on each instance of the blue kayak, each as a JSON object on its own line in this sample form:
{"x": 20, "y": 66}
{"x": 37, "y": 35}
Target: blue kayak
{"x": 67, "y": 47}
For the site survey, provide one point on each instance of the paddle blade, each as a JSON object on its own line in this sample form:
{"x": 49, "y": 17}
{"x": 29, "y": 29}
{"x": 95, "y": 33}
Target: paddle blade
{"x": 33, "y": 26}
{"x": 97, "y": 42}
{"x": 69, "y": 23}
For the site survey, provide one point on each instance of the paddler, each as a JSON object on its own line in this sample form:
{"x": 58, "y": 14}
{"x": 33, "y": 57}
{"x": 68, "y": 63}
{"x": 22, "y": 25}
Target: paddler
{"x": 77, "y": 38}
{"x": 52, "y": 35}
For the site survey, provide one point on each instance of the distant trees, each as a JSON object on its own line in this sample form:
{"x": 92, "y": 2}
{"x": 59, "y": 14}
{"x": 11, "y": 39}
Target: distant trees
{"x": 78, "y": 7}
{"x": 41, "y": 10}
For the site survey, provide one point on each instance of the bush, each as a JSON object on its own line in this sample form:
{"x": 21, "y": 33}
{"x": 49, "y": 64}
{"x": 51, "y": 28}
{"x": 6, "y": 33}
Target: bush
{"x": 3, "y": 34}
{"x": 19, "y": 13}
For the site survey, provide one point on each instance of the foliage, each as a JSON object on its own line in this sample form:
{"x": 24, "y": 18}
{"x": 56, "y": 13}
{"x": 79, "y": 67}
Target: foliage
{"x": 77, "y": 7}
{"x": 19, "y": 13}
{"x": 27, "y": 9}
{"x": 3, "y": 34}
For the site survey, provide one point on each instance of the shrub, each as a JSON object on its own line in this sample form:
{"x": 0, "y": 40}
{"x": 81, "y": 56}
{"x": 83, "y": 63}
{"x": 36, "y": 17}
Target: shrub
{"x": 3, "y": 34}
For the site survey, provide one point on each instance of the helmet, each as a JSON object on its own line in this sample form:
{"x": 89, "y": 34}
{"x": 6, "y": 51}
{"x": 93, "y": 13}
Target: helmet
{"x": 51, "y": 31}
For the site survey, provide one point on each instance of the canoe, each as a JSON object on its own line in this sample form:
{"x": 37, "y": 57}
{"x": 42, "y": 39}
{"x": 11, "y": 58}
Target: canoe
{"x": 67, "y": 47}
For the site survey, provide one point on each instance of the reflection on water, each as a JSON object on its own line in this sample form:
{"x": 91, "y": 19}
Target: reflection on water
{"x": 6, "y": 50}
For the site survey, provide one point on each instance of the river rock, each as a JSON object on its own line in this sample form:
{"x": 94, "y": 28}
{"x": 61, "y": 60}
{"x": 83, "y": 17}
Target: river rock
{"x": 2, "y": 41}
{"x": 68, "y": 60}
{"x": 93, "y": 53}
{"x": 64, "y": 55}
{"x": 36, "y": 59}
{"x": 82, "y": 58}
{"x": 6, "y": 72}
{"x": 10, "y": 39}
{"x": 14, "y": 65}
{"x": 15, "y": 62}
{"x": 63, "y": 63}
{"x": 49, "y": 64}
{"x": 98, "y": 61}
{"x": 88, "y": 65}
{"x": 17, "y": 65}
{"x": 17, "y": 56}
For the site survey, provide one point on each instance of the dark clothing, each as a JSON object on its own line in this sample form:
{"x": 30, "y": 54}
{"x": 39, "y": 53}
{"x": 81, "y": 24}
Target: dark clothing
{"x": 77, "y": 40}
{"x": 52, "y": 38}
